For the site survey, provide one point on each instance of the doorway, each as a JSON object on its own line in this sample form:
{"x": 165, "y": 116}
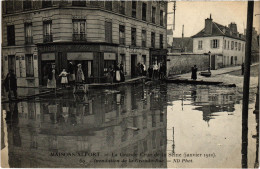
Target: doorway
{"x": 133, "y": 65}
{"x": 11, "y": 62}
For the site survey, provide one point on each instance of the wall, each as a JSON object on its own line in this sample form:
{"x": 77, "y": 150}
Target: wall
{"x": 182, "y": 63}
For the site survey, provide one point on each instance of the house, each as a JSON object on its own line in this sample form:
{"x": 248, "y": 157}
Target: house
{"x": 225, "y": 45}
{"x": 182, "y": 45}
{"x": 96, "y": 34}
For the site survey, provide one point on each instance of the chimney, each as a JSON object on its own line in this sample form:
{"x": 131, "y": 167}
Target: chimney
{"x": 233, "y": 27}
{"x": 208, "y": 26}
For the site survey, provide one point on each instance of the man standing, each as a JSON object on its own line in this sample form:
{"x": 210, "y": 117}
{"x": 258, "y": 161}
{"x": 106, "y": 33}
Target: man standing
{"x": 10, "y": 83}
{"x": 155, "y": 71}
{"x": 194, "y": 70}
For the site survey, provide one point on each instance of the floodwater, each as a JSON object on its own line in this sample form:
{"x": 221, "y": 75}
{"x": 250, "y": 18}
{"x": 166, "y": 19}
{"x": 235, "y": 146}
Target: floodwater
{"x": 134, "y": 126}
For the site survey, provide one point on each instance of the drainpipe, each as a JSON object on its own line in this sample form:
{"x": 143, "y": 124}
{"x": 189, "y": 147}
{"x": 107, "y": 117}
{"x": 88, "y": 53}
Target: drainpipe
{"x": 250, "y": 11}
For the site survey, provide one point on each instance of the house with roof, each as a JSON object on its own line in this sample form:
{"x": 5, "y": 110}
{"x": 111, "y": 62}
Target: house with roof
{"x": 182, "y": 45}
{"x": 224, "y": 45}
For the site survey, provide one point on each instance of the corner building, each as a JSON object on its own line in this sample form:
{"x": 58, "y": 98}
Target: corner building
{"x": 97, "y": 34}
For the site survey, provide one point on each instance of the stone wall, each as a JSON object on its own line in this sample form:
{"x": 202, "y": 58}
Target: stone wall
{"x": 182, "y": 63}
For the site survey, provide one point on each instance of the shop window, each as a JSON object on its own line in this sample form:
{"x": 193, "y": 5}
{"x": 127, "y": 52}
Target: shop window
{"x": 108, "y": 5}
{"x": 134, "y": 9}
{"x": 143, "y": 38}
{"x": 133, "y": 36}
{"x": 79, "y": 29}
{"x": 29, "y": 65}
{"x": 78, "y": 3}
{"x": 121, "y": 34}
{"x": 46, "y": 4}
{"x": 108, "y": 64}
{"x": 28, "y": 33}
{"x": 122, "y": 7}
{"x": 153, "y": 39}
{"x": 153, "y": 14}
{"x": 27, "y": 4}
{"x": 10, "y": 35}
{"x": 108, "y": 32}
{"x": 47, "y": 31}
{"x": 144, "y": 12}
{"x": 161, "y": 41}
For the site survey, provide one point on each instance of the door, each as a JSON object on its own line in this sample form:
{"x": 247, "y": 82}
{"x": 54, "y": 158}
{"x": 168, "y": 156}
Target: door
{"x": 213, "y": 58}
{"x": 133, "y": 65}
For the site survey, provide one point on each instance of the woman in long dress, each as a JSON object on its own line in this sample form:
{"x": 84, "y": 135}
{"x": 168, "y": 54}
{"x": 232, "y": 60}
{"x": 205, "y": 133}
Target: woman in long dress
{"x": 80, "y": 75}
{"x": 118, "y": 77}
{"x": 64, "y": 79}
{"x": 51, "y": 83}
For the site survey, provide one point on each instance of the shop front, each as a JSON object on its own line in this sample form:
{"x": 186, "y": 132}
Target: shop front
{"x": 94, "y": 58}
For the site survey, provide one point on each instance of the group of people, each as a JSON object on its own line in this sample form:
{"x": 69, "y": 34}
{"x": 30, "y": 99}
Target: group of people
{"x": 157, "y": 71}
{"x": 66, "y": 78}
{"x": 115, "y": 73}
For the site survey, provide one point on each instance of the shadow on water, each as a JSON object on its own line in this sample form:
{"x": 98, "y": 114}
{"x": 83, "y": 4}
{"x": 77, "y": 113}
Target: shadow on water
{"x": 130, "y": 126}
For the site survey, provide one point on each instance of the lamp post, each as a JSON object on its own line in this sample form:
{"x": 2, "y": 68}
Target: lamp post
{"x": 209, "y": 61}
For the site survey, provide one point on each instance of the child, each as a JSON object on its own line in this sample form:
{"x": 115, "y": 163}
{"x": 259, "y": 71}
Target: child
{"x": 64, "y": 79}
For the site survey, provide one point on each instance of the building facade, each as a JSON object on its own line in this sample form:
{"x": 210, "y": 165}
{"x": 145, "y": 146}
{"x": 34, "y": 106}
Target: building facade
{"x": 96, "y": 34}
{"x": 225, "y": 45}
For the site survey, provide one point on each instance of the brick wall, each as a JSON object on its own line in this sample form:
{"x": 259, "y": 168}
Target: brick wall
{"x": 182, "y": 63}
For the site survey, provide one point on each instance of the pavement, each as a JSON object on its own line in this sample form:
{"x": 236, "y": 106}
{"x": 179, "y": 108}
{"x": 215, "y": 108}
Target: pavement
{"x": 214, "y": 79}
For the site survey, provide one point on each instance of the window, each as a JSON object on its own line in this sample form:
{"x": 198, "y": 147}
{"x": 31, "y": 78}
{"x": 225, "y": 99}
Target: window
{"x": 143, "y": 38}
{"x": 144, "y": 12}
{"x": 29, "y": 65}
{"x": 9, "y": 6}
{"x": 46, "y": 4}
{"x": 133, "y": 36}
{"x": 153, "y": 39}
{"x": 161, "y": 41}
{"x": 200, "y": 45}
{"x": 108, "y": 5}
{"x": 225, "y": 43}
{"x": 79, "y": 29}
{"x": 121, "y": 34}
{"x": 239, "y": 46}
{"x": 153, "y": 14}
{"x": 214, "y": 43}
{"x": 10, "y": 35}
{"x": 161, "y": 17}
{"x": 232, "y": 45}
{"x": 134, "y": 9}
{"x": 122, "y": 7}
{"x": 235, "y": 45}
{"x": 78, "y": 3}
{"x": 28, "y": 33}
{"x": 47, "y": 31}
{"x": 108, "y": 32}
{"x": 27, "y": 4}
{"x": 228, "y": 44}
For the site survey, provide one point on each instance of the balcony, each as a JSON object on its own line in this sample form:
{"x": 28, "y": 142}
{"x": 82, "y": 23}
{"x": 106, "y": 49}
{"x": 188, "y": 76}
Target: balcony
{"x": 79, "y": 37}
{"x": 47, "y": 38}
{"x": 28, "y": 40}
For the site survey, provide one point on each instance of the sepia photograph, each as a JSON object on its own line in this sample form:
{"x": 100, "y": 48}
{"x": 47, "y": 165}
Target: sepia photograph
{"x": 129, "y": 84}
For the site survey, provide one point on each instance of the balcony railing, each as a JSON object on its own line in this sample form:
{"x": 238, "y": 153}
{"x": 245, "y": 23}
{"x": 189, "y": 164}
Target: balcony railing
{"x": 28, "y": 40}
{"x": 47, "y": 38}
{"x": 122, "y": 41}
{"x": 79, "y": 37}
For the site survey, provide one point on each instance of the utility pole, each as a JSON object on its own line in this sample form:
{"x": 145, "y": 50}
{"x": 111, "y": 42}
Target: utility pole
{"x": 182, "y": 36}
{"x": 174, "y": 9}
{"x": 250, "y": 11}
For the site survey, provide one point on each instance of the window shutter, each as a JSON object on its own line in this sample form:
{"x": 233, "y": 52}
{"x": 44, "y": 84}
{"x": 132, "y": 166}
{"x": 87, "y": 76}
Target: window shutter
{"x": 211, "y": 43}
{"x": 218, "y": 43}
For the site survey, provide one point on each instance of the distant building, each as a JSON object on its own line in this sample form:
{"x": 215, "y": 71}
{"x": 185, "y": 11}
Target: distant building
{"x": 97, "y": 34}
{"x": 255, "y": 46}
{"x": 225, "y": 44}
{"x": 169, "y": 37}
{"x": 182, "y": 45}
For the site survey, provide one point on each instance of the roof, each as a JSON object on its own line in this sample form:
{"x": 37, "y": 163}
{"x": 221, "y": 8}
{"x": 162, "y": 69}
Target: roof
{"x": 219, "y": 30}
{"x": 187, "y": 43}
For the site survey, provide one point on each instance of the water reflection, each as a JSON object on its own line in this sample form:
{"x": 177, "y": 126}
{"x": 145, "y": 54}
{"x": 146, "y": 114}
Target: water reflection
{"x": 127, "y": 120}
{"x": 131, "y": 122}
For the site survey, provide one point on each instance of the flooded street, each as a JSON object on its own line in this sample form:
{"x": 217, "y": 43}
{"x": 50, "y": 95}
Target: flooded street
{"x": 160, "y": 125}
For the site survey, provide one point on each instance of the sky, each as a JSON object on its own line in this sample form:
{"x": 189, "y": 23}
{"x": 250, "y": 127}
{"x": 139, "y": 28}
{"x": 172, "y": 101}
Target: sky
{"x": 192, "y": 15}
